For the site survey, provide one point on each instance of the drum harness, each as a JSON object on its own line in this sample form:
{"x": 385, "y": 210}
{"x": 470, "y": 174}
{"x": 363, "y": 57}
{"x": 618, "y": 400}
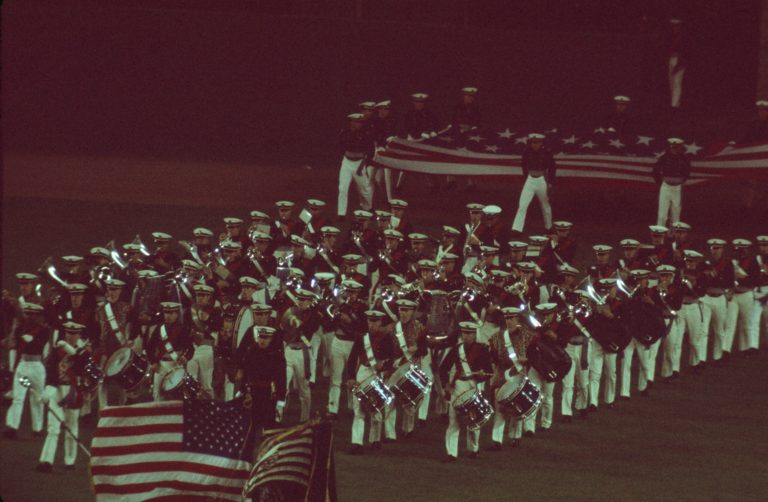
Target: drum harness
{"x": 400, "y": 335}
{"x": 113, "y": 323}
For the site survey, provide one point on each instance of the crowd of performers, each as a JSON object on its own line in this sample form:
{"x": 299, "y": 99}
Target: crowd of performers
{"x": 473, "y": 327}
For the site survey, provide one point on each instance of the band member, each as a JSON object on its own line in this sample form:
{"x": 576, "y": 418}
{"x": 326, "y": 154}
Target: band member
{"x": 262, "y": 264}
{"x": 448, "y": 242}
{"x": 639, "y": 279}
{"x": 465, "y": 368}
{"x": 323, "y": 338}
{"x": 560, "y": 249}
{"x": 539, "y": 170}
{"x": 206, "y": 320}
{"x": 327, "y": 258}
{"x": 508, "y": 353}
{"x": 602, "y": 359}
{"x": 356, "y": 143}
{"x": 631, "y": 258}
{"x": 747, "y": 276}
{"x": 314, "y": 220}
{"x": 671, "y": 172}
{"x": 545, "y": 313}
{"x": 298, "y": 258}
{"x": 620, "y": 120}
{"x": 392, "y": 258}
{"x": 30, "y": 340}
{"x": 169, "y": 346}
{"x": 680, "y": 241}
{"x": 471, "y": 237}
{"x": 759, "y": 312}
{"x": 298, "y": 324}
{"x": 719, "y": 278}
{"x": 371, "y": 356}
{"x": 668, "y": 296}
{"x": 417, "y": 253}
{"x": 602, "y": 269}
{"x": 63, "y": 394}
{"x": 286, "y": 224}
{"x": 494, "y": 232}
{"x": 163, "y": 259}
{"x": 692, "y": 310}
{"x": 472, "y": 306}
{"x": 351, "y": 324}
{"x": 660, "y": 251}
{"x": 261, "y": 378}
{"x": 399, "y": 221}
{"x": 449, "y": 276}
{"x": 114, "y": 319}
{"x": 364, "y": 239}
{"x": 233, "y": 231}
{"x": 409, "y": 347}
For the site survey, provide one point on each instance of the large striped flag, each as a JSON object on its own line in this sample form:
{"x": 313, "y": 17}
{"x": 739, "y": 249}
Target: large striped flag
{"x": 598, "y": 155}
{"x": 170, "y": 450}
{"x": 295, "y": 464}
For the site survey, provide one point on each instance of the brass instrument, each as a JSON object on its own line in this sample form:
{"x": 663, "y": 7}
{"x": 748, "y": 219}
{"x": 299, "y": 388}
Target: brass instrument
{"x": 142, "y": 246}
{"x": 470, "y": 233}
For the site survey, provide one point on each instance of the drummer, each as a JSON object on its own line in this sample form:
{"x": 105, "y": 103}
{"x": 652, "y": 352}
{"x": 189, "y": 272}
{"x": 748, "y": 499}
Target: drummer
{"x": 371, "y": 356}
{"x": 545, "y": 313}
{"x": 169, "y": 346}
{"x": 508, "y": 353}
{"x": 464, "y": 369}
{"x": 410, "y": 346}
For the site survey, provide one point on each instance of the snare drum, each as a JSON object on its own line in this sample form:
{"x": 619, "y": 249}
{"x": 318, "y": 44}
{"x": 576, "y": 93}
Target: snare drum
{"x": 472, "y": 409}
{"x": 178, "y": 384}
{"x": 518, "y": 397}
{"x": 374, "y": 395}
{"x": 92, "y": 376}
{"x": 410, "y": 385}
{"x": 128, "y": 370}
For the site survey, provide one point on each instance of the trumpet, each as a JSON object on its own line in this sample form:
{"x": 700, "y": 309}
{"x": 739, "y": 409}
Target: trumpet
{"x": 519, "y": 289}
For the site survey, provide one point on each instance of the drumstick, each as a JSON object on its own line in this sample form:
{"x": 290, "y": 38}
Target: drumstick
{"x": 26, "y": 382}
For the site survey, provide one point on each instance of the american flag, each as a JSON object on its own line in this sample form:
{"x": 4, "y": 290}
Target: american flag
{"x": 170, "y": 451}
{"x": 294, "y": 464}
{"x": 597, "y": 155}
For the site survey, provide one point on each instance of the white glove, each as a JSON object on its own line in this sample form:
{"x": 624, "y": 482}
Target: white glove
{"x": 424, "y": 135}
{"x": 410, "y": 138}
{"x": 432, "y": 134}
{"x": 279, "y": 411}
{"x": 390, "y": 138}
{"x": 379, "y": 149}
{"x": 27, "y": 338}
{"x": 67, "y": 347}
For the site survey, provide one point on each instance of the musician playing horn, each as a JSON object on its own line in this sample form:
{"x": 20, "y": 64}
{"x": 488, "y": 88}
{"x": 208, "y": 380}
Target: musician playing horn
{"x": 465, "y": 368}
{"x": 351, "y": 325}
{"x": 372, "y": 355}
{"x": 668, "y": 296}
{"x": 508, "y": 353}
{"x": 64, "y": 395}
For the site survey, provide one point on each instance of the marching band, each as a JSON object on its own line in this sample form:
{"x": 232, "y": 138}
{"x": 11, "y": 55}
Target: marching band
{"x": 398, "y": 324}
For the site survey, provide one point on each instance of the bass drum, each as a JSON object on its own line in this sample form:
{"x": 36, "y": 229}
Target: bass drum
{"x": 610, "y": 333}
{"x": 549, "y": 359}
{"x": 645, "y": 322}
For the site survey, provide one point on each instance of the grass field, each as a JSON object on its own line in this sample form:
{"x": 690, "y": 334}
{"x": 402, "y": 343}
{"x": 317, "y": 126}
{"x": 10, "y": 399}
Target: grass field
{"x": 701, "y": 438}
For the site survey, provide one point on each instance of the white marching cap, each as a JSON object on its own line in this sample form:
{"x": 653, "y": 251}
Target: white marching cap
{"x": 716, "y": 243}
{"x": 419, "y": 96}
{"x": 355, "y": 116}
{"x": 761, "y": 103}
{"x": 491, "y": 210}
{"x": 536, "y": 135}
{"x": 621, "y": 99}
{"x": 602, "y": 248}
{"x": 384, "y": 104}
{"x": 675, "y": 141}
{"x": 469, "y": 90}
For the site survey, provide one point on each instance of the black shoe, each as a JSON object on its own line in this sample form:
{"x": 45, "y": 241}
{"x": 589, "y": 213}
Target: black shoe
{"x": 69, "y": 467}
{"x": 624, "y": 398}
{"x": 10, "y": 433}
{"x": 44, "y": 467}
{"x": 495, "y": 446}
{"x": 38, "y": 434}
{"x": 421, "y": 423}
{"x": 449, "y": 459}
{"x": 675, "y": 375}
{"x": 591, "y": 408}
{"x": 474, "y": 455}
{"x": 356, "y": 449}
{"x": 516, "y": 443}
{"x": 389, "y": 440}
{"x": 408, "y": 435}
{"x": 583, "y": 414}
{"x": 610, "y": 406}
{"x": 567, "y": 419}
{"x": 332, "y": 416}
{"x": 650, "y": 384}
{"x": 528, "y": 434}
{"x": 376, "y": 445}
{"x": 644, "y": 393}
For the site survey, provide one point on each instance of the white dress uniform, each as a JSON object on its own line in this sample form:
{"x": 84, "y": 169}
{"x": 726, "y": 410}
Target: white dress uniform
{"x": 506, "y": 353}
{"x": 579, "y": 349}
{"x": 341, "y": 347}
{"x": 356, "y": 145}
{"x": 547, "y": 403}
{"x": 297, "y": 360}
{"x": 536, "y": 180}
{"x": 243, "y": 325}
{"x": 366, "y": 364}
{"x": 634, "y": 348}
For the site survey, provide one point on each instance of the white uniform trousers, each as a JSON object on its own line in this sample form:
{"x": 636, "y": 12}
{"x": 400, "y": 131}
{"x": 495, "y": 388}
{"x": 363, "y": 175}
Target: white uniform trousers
{"x": 340, "y": 350}
{"x": 347, "y": 173}
{"x": 426, "y": 366}
{"x": 757, "y": 317}
{"x": 200, "y": 367}
{"x": 601, "y": 362}
{"x": 538, "y": 187}
{"x": 71, "y": 419}
{"x": 737, "y": 319}
{"x": 714, "y": 322}
{"x": 35, "y": 371}
{"x": 651, "y": 357}
{"x": 634, "y": 348}
{"x": 163, "y": 368}
{"x": 547, "y": 403}
{"x": 314, "y": 352}
{"x": 452, "y": 432}
{"x": 692, "y": 316}
{"x": 358, "y": 421}
{"x": 296, "y": 363}
{"x": 675, "y": 76}
{"x": 672, "y": 346}
{"x": 577, "y": 375}
{"x": 515, "y": 430}
{"x": 670, "y": 203}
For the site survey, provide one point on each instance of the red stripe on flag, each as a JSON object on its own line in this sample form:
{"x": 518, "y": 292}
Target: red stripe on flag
{"x": 174, "y": 485}
{"x": 146, "y": 467}
{"x": 126, "y": 411}
{"x": 113, "y": 451}
{"x": 139, "y": 430}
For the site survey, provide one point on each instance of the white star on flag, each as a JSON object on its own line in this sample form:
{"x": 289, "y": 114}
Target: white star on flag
{"x": 477, "y": 138}
{"x": 693, "y": 148}
{"x": 600, "y": 130}
{"x": 644, "y": 140}
{"x": 571, "y": 140}
{"x": 588, "y": 144}
{"x": 491, "y": 148}
{"x": 616, "y": 143}
{"x": 521, "y": 139}
{"x": 506, "y": 133}
{"x": 659, "y": 154}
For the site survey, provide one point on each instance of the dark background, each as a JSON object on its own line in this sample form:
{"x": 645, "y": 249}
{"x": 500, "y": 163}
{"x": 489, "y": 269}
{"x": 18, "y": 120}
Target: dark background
{"x": 248, "y": 80}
